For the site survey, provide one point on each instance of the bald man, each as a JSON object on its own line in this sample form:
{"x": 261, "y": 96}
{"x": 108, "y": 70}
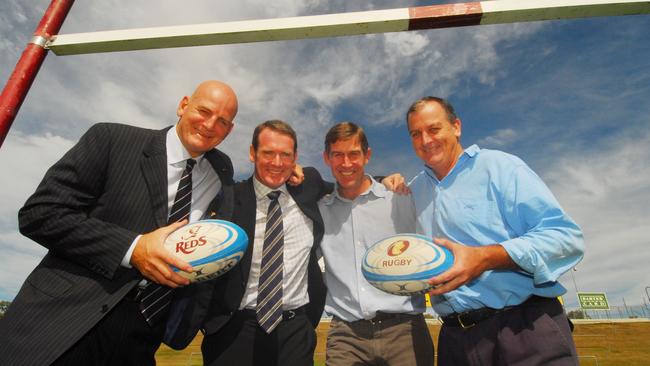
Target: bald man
{"x": 103, "y": 212}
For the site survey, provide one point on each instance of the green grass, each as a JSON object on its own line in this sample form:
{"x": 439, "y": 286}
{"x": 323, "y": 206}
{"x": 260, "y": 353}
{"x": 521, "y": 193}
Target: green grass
{"x": 602, "y": 344}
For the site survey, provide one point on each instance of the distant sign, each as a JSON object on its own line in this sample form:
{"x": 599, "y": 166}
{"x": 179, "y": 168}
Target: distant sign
{"x": 427, "y": 300}
{"x": 593, "y": 301}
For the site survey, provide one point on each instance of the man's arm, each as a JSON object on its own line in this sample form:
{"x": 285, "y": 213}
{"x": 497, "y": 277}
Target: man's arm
{"x": 59, "y": 215}
{"x": 469, "y": 263}
{"x": 548, "y": 241}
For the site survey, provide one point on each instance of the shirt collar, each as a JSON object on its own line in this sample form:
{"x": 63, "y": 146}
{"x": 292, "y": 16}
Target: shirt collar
{"x": 261, "y": 190}
{"x": 468, "y": 153}
{"x": 176, "y": 152}
{"x": 377, "y": 189}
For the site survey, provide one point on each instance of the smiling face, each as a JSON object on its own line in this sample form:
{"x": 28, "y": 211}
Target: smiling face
{"x": 206, "y": 118}
{"x": 435, "y": 138}
{"x": 347, "y": 160}
{"x": 274, "y": 157}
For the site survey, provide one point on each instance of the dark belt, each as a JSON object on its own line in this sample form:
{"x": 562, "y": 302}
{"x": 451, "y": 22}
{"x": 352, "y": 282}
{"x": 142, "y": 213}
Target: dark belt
{"x": 382, "y": 317}
{"x": 286, "y": 315}
{"x": 470, "y": 318}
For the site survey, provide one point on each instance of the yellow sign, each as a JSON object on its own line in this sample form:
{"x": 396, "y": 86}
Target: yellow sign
{"x": 427, "y": 300}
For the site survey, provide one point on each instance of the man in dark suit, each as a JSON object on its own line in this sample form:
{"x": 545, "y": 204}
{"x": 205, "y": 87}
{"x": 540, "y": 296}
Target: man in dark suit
{"x": 102, "y": 211}
{"x": 238, "y": 330}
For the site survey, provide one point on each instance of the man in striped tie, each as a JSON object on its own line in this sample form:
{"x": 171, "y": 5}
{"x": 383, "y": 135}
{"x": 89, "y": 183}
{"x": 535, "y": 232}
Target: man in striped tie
{"x": 265, "y": 310}
{"x": 103, "y": 212}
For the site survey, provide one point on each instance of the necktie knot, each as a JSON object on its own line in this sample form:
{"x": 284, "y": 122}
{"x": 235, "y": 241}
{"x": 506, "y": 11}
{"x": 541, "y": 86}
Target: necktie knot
{"x": 273, "y": 195}
{"x": 190, "y": 164}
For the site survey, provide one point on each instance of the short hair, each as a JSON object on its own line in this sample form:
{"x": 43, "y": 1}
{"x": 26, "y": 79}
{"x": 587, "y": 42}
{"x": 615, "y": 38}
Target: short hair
{"x": 420, "y": 103}
{"x": 277, "y": 126}
{"x": 345, "y": 131}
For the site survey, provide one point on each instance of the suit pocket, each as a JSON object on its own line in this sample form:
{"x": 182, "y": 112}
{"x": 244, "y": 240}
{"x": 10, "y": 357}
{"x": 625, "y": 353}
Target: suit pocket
{"x": 49, "y": 282}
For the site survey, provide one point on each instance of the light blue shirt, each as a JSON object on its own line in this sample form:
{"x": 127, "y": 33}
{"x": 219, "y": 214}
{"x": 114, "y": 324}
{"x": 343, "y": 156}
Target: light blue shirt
{"x": 492, "y": 197}
{"x": 351, "y": 227}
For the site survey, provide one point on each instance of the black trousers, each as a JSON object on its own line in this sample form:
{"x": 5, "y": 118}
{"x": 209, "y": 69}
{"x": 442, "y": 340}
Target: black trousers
{"x": 242, "y": 342}
{"x": 531, "y": 334}
{"x": 122, "y": 337}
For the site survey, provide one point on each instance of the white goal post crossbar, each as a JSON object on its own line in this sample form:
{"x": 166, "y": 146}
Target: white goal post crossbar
{"x": 342, "y": 24}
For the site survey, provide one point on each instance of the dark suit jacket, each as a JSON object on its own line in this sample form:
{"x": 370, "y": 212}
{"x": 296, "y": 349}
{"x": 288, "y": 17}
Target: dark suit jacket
{"x": 90, "y": 206}
{"x": 228, "y": 290}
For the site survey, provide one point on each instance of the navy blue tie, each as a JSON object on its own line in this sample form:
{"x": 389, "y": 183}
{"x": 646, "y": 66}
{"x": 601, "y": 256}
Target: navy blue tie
{"x": 269, "y": 290}
{"x": 156, "y": 298}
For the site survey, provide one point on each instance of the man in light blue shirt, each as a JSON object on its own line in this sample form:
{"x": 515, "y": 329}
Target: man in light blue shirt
{"x": 511, "y": 241}
{"x": 369, "y": 327}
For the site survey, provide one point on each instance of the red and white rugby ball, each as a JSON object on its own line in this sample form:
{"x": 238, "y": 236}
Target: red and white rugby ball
{"x": 402, "y": 264}
{"x": 211, "y": 247}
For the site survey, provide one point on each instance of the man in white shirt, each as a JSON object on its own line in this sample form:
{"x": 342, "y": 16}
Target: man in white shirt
{"x": 264, "y": 311}
{"x": 369, "y": 326}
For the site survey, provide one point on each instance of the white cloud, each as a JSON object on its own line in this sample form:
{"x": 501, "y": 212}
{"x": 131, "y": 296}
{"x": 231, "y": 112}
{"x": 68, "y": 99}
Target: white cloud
{"x": 606, "y": 192}
{"x": 23, "y": 161}
{"x": 499, "y": 138}
{"x": 406, "y": 44}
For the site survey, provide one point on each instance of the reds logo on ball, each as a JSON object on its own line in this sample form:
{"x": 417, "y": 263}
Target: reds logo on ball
{"x": 191, "y": 242}
{"x": 193, "y": 231}
{"x": 398, "y": 248}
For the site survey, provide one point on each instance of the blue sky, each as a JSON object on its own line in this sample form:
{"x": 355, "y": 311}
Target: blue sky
{"x": 569, "y": 97}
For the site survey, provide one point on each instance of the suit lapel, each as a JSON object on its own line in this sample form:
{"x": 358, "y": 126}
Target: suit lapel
{"x": 222, "y": 205}
{"x": 154, "y": 169}
{"x": 303, "y": 202}
{"x": 248, "y": 204}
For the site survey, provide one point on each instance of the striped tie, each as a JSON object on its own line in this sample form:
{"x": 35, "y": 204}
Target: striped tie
{"x": 156, "y": 298}
{"x": 269, "y": 290}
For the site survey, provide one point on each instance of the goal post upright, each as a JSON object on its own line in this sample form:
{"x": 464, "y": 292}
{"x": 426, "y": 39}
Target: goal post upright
{"x": 30, "y": 61}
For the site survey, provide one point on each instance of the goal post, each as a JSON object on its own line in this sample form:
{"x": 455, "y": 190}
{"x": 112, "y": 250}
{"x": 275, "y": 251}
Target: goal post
{"x": 264, "y": 30}
{"x": 342, "y": 24}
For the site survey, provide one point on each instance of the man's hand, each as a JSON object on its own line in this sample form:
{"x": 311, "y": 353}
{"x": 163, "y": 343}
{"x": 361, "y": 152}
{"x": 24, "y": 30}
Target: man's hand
{"x": 396, "y": 183}
{"x": 469, "y": 263}
{"x": 297, "y": 176}
{"x": 153, "y": 261}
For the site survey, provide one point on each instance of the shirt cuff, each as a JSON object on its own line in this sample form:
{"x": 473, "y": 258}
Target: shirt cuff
{"x": 126, "y": 261}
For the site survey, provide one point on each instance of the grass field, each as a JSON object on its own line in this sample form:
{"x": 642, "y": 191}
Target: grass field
{"x": 598, "y": 344}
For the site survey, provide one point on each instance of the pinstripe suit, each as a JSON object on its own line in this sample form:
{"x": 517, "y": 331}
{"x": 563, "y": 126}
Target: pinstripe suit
{"x": 90, "y": 206}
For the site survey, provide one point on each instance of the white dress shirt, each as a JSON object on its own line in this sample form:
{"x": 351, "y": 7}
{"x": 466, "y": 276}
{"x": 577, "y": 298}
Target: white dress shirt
{"x": 298, "y": 241}
{"x": 351, "y": 227}
{"x": 205, "y": 182}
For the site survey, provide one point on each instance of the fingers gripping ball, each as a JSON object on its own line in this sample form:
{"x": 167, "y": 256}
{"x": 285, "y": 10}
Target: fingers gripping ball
{"x": 211, "y": 247}
{"x": 402, "y": 264}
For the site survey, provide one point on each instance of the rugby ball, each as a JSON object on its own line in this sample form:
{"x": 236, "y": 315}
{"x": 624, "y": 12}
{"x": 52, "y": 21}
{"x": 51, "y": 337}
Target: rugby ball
{"x": 211, "y": 247}
{"x": 402, "y": 264}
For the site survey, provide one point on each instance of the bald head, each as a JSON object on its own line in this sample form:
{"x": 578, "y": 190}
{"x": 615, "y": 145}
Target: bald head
{"x": 217, "y": 90}
{"x": 206, "y": 117}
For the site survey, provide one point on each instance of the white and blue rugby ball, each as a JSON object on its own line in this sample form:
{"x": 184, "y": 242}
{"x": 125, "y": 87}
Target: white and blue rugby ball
{"x": 402, "y": 264}
{"x": 211, "y": 247}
